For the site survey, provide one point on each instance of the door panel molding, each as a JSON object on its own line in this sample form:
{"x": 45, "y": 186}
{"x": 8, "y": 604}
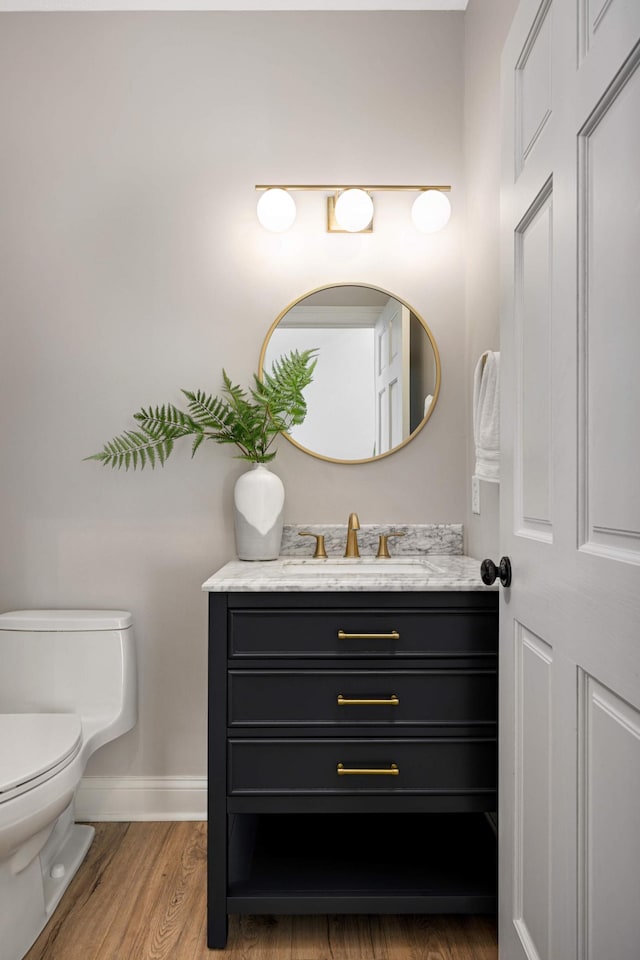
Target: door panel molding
{"x": 591, "y": 15}
{"x": 533, "y": 255}
{"x": 532, "y": 823}
{"x": 608, "y": 789}
{"x": 533, "y": 86}
{"x": 606, "y": 27}
{"x": 608, "y": 147}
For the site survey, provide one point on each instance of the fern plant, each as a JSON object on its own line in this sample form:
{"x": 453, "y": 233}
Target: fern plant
{"x": 251, "y": 419}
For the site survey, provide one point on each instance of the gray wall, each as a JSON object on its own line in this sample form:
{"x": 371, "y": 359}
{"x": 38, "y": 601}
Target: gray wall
{"x": 133, "y": 264}
{"x": 486, "y": 23}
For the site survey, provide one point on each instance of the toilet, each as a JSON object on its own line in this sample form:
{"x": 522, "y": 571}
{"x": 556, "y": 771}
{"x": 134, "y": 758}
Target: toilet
{"x": 67, "y": 686}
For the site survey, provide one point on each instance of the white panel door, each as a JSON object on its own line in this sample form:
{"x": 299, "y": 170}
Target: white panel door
{"x": 569, "y": 818}
{"x": 392, "y": 376}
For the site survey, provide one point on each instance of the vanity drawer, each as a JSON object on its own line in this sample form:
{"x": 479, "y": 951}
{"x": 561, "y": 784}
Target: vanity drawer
{"x": 303, "y": 697}
{"x": 361, "y": 633}
{"x": 419, "y": 766}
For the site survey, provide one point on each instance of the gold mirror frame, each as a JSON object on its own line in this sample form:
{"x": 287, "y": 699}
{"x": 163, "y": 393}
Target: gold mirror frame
{"x": 434, "y": 347}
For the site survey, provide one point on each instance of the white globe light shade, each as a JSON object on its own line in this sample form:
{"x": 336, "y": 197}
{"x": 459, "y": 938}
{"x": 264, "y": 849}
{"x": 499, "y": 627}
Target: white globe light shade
{"x": 431, "y": 211}
{"x": 354, "y": 210}
{"x": 276, "y": 210}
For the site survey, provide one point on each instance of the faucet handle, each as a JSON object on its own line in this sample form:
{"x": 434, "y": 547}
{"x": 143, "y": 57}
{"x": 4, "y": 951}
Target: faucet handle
{"x": 320, "y": 552}
{"x": 383, "y": 547}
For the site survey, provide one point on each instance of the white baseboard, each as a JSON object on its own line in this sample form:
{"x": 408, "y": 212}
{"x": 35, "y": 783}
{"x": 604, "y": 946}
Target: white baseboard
{"x": 142, "y": 798}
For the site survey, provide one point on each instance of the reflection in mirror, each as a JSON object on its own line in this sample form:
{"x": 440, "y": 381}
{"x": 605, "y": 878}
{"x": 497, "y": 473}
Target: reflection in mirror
{"x": 378, "y": 373}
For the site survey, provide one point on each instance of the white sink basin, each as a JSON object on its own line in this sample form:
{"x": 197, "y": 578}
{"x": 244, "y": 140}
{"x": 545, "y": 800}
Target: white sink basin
{"x": 363, "y": 566}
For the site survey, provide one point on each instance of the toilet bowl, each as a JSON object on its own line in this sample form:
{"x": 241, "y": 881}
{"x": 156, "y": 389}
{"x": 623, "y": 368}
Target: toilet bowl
{"x": 67, "y": 686}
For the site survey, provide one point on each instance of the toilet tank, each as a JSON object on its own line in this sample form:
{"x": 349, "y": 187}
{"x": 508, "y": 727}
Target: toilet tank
{"x": 70, "y": 661}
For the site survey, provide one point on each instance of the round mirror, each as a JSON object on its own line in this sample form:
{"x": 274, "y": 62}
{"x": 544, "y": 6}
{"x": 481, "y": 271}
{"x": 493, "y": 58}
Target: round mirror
{"x": 377, "y": 379}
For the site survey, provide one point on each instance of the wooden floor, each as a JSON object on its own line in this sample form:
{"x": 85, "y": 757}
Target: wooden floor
{"x": 141, "y": 895}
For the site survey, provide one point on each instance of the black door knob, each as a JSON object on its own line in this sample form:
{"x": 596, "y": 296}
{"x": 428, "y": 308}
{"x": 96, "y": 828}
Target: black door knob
{"x": 489, "y": 571}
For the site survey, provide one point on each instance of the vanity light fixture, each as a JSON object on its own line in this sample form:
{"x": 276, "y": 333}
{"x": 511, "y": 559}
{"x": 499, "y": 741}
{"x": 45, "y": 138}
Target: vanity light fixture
{"x": 353, "y": 210}
{"x": 431, "y": 211}
{"x": 276, "y": 210}
{"x": 350, "y": 207}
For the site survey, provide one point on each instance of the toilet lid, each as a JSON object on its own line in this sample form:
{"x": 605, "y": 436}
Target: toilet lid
{"x": 34, "y": 747}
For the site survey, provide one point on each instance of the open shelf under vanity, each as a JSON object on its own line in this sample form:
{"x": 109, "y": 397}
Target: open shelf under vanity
{"x": 361, "y": 863}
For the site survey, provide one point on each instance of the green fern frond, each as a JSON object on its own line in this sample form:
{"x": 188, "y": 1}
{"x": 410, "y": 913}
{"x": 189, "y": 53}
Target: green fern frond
{"x": 136, "y": 448}
{"x": 281, "y": 390}
{"x": 209, "y": 411}
{"x": 166, "y": 416}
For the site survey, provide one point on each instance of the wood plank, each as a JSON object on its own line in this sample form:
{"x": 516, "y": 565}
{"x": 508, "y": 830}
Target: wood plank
{"x": 259, "y": 938}
{"x": 309, "y": 937}
{"x": 141, "y": 895}
{"x": 428, "y": 937}
{"x": 350, "y": 937}
{"x": 160, "y": 922}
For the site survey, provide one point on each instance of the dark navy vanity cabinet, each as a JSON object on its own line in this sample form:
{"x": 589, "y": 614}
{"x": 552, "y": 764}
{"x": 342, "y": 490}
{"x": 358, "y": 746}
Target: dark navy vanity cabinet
{"x": 352, "y": 753}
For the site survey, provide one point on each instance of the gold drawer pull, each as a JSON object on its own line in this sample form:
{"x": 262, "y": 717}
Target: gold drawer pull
{"x": 394, "y": 635}
{"x": 392, "y": 771}
{"x": 391, "y": 701}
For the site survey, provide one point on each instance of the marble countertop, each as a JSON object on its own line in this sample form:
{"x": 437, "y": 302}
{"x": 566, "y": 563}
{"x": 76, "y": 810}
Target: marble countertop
{"x": 418, "y": 573}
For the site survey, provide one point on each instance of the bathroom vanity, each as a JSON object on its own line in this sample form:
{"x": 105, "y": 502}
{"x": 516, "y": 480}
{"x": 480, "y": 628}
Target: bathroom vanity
{"x": 352, "y": 739}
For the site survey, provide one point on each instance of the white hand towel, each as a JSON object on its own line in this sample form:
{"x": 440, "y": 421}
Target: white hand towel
{"x": 486, "y": 416}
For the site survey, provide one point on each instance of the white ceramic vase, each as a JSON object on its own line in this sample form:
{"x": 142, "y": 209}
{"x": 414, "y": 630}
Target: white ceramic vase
{"x": 259, "y": 501}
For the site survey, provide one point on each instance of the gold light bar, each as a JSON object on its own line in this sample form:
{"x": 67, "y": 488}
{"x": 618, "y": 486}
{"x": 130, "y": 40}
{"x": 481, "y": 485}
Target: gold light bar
{"x": 354, "y": 186}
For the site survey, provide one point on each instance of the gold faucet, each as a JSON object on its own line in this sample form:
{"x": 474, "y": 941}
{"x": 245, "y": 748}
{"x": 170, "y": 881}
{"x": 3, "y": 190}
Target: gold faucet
{"x": 352, "y": 537}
